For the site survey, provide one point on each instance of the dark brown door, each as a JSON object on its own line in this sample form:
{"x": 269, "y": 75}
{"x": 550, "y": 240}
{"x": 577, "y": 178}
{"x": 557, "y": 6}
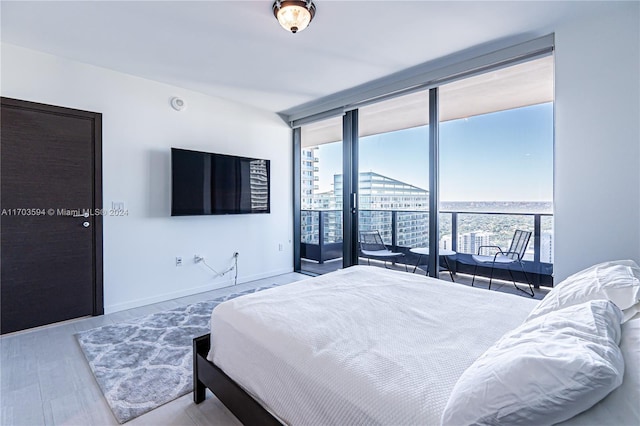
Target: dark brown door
{"x": 51, "y": 227}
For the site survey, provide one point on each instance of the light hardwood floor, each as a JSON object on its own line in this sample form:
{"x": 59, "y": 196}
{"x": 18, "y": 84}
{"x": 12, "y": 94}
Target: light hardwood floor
{"x": 45, "y": 379}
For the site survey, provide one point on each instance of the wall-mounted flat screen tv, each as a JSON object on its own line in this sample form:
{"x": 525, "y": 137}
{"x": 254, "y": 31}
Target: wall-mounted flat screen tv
{"x": 204, "y": 183}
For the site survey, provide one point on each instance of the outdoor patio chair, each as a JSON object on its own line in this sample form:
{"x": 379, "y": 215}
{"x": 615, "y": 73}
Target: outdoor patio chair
{"x": 515, "y": 253}
{"x": 372, "y": 246}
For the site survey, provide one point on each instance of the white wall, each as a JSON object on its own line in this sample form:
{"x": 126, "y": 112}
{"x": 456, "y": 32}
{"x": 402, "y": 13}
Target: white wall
{"x": 597, "y": 162}
{"x": 139, "y": 128}
{"x": 597, "y": 151}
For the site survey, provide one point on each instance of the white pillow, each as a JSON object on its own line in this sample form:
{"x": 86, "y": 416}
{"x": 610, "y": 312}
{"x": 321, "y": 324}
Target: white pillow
{"x": 621, "y": 406}
{"x": 618, "y": 281}
{"x": 545, "y": 371}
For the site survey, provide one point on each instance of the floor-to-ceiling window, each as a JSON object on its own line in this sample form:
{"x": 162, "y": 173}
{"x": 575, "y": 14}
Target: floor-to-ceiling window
{"x": 496, "y": 161}
{"x": 483, "y": 170}
{"x": 320, "y": 196}
{"x": 393, "y": 164}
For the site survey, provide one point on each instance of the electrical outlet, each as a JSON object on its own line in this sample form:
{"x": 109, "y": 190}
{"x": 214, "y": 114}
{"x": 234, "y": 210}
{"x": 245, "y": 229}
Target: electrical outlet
{"x": 280, "y": 248}
{"x": 178, "y": 260}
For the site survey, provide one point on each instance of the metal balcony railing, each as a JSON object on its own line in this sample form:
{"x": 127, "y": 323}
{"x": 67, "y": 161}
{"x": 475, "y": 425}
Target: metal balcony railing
{"x": 463, "y": 232}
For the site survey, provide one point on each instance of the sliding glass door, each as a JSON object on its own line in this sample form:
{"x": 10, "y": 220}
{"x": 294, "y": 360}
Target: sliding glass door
{"x": 393, "y": 164}
{"x": 321, "y": 234}
{"x": 444, "y": 169}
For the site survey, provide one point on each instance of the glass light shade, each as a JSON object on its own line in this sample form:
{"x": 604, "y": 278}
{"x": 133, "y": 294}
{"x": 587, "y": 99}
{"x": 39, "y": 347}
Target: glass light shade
{"x": 294, "y": 16}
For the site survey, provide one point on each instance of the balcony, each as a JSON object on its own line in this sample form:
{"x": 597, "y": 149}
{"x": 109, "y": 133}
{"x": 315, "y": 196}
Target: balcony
{"x": 460, "y": 231}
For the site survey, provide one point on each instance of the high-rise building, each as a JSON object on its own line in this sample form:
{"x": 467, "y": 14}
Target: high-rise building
{"x": 445, "y": 242}
{"x": 384, "y": 202}
{"x": 309, "y": 220}
{"x": 469, "y": 242}
{"x": 308, "y": 177}
{"x": 546, "y": 247}
{"x": 378, "y": 192}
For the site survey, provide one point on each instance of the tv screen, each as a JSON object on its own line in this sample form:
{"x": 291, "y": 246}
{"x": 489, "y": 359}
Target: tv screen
{"x": 204, "y": 183}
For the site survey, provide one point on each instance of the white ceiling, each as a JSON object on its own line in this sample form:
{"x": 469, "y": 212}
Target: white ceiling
{"x": 238, "y": 51}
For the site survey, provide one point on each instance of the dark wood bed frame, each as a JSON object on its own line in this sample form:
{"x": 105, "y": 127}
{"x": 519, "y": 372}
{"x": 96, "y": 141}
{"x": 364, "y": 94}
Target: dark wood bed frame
{"x": 208, "y": 375}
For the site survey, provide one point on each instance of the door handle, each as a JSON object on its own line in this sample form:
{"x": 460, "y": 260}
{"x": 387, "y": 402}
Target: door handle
{"x": 85, "y": 214}
{"x": 86, "y": 224}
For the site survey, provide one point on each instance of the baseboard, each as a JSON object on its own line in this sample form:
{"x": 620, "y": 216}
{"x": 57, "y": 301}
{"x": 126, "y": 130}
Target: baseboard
{"x": 109, "y": 309}
{"x": 264, "y": 275}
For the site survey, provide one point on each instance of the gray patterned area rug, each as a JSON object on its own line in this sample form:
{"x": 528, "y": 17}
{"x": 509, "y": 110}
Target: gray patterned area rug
{"x": 144, "y": 363}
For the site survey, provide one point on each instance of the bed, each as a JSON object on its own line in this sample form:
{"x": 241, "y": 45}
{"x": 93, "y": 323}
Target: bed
{"x": 364, "y": 345}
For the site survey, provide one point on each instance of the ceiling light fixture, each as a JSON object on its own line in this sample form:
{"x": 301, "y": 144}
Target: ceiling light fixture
{"x": 294, "y": 16}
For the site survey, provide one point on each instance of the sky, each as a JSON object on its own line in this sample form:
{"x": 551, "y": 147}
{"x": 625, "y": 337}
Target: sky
{"x": 502, "y": 156}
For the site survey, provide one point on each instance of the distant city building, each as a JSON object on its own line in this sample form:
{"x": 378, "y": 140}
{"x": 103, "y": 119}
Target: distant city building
{"x": 379, "y": 196}
{"x": 324, "y": 201}
{"x": 470, "y": 242}
{"x": 308, "y": 177}
{"x": 445, "y": 242}
{"x": 546, "y": 247}
{"x": 378, "y": 192}
{"x": 308, "y": 169}
{"x": 383, "y": 200}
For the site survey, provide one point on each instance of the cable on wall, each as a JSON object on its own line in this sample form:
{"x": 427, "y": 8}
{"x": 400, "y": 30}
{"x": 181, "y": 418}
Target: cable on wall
{"x": 200, "y": 259}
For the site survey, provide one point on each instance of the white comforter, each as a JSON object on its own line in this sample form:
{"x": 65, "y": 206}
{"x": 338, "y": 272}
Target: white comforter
{"x": 362, "y": 345}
